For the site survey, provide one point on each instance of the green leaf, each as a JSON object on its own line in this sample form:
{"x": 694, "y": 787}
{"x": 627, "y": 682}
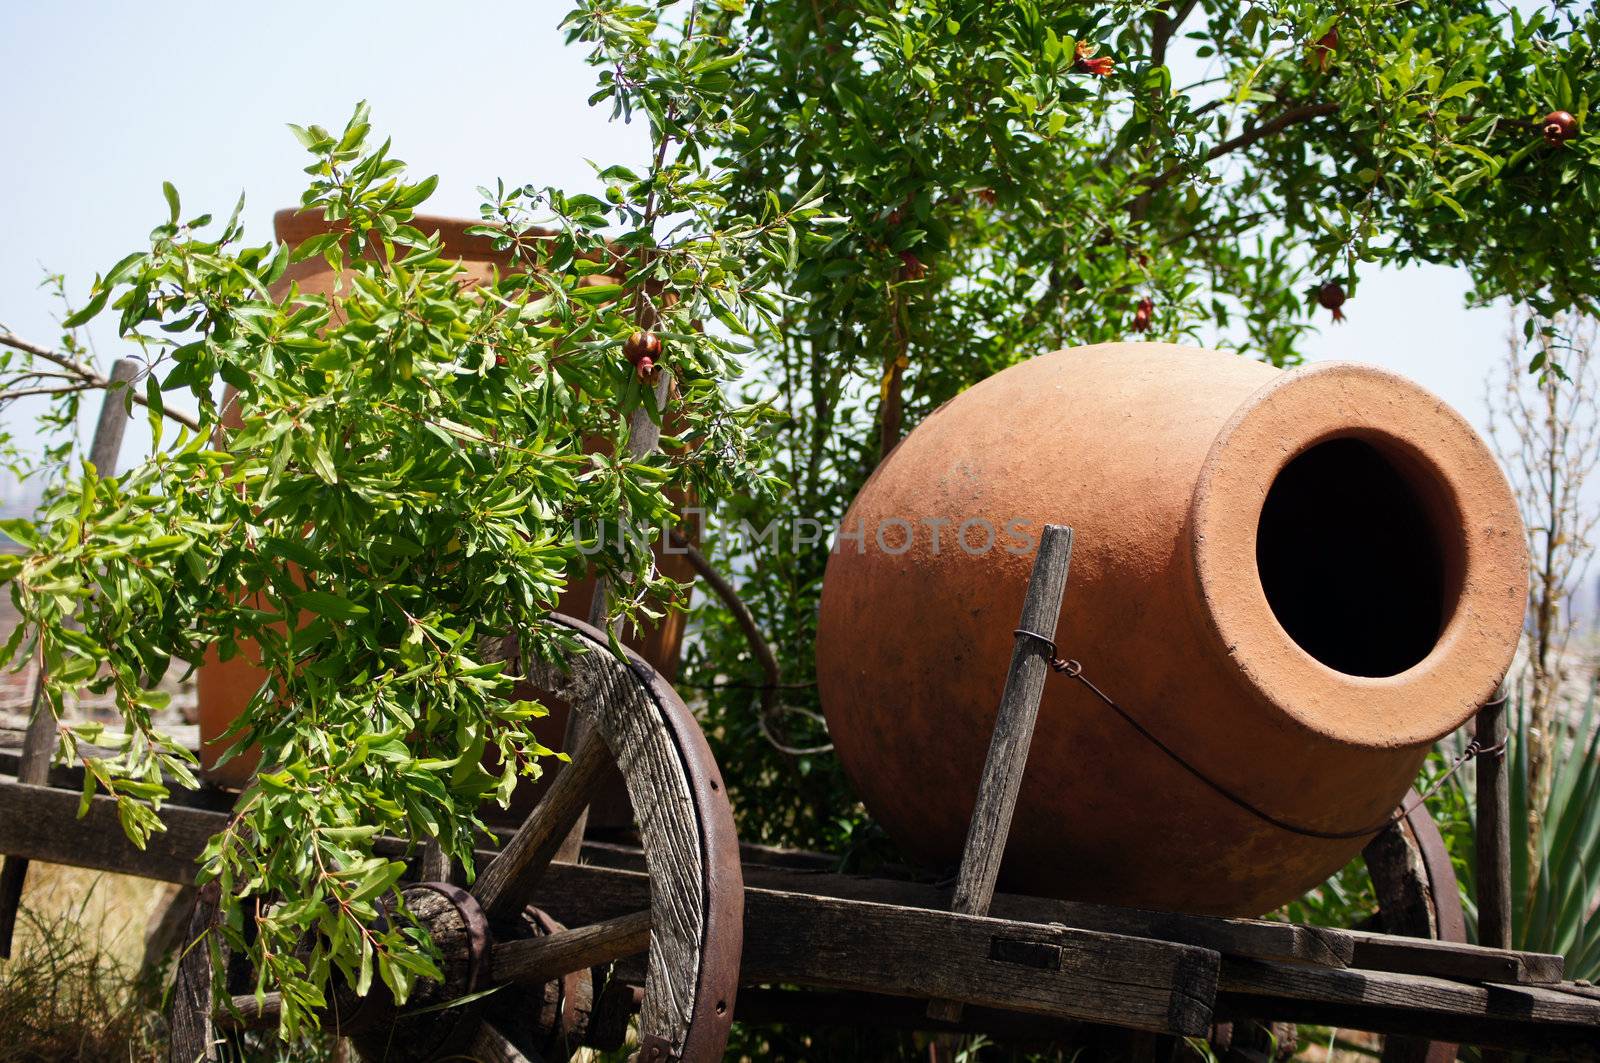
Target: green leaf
{"x": 329, "y": 605}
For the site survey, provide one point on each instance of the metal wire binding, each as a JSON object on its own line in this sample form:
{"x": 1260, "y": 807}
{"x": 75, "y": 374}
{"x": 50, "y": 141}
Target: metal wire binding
{"x": 1074, "y": 670}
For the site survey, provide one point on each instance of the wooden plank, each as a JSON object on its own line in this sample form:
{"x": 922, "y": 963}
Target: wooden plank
{"x": 814, "y": 1008}
{"x": 1449, "y": 959}
{"x": 1532, "y": 1017}
{"x": 551, "y": 956}
{"x": 41, "y": 823}
{"x": 1007, "y": 759}
{"x": 1258, "y": 938}
{"x": 805, "y": 940}
{"x": 1493, "y": 827}
{"x": 1013, "y": 726}
{"x": 39, "y": 742}
{"x": 798, "y": 939}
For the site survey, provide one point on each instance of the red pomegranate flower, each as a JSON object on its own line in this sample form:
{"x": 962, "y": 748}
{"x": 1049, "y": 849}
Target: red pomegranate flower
{"x": 1084, "y": 61}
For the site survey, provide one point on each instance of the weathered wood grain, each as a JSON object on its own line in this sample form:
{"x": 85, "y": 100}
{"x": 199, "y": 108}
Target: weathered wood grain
{"x": 246, "y": 1011}
{"x": 814, "y": 1008}
{"x": 41, "y": 823}
{"x": 798, "y": 939}
{"x": 1531, "y": 1017}
{"x": 1032, "y": 968}
{"x": 541, "y": 959}
{"x": 626, "y": 706}
{"x": 1013, "y": 726}
{"x": 1451, "y": 959}
{"x": 489, "y": 1045}
{"x": 1012, "y": 736}
{"x": 1493, "y": 827}
{"x": 1259, "y": 938}
{"x": 192, "y": 1035}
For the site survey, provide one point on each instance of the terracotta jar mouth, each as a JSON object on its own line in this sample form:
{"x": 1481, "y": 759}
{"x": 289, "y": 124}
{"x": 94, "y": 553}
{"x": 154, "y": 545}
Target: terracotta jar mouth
{"x": 1359, "y": 551}
{"x": 1359, "y": 555}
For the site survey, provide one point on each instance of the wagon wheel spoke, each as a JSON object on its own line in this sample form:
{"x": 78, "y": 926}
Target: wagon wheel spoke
{"x": 554, "y": 955}
{"x": 505, "y": 885}
{"x": 247, "y": 1011}
{"x": 489, "y": 1045}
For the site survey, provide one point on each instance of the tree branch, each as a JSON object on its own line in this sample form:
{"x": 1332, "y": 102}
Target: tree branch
{"x": 758, "y": 647}
{"x": 741, "y": 614}
{"x": 1291, "y": 117}
{"x": 1162, "y": 29}
{"x": 86, "y": 374}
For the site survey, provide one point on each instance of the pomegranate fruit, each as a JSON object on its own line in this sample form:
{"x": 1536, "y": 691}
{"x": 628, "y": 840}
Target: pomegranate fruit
{"x": 1559, "y": 127}
{"x": 1331, "y": 297}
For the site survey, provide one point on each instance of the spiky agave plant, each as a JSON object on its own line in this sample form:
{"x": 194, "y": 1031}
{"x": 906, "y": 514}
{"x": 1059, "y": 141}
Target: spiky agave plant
{"x": 1556, "y": 909}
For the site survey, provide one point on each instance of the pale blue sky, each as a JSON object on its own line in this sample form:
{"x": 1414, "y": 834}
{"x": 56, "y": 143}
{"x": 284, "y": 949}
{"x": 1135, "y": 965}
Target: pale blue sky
{"x": 107, "y": 100}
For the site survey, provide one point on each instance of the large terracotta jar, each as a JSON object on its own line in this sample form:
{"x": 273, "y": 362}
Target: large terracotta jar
{"x": 1295, "y": 580}
{"x": 224, "y": 688}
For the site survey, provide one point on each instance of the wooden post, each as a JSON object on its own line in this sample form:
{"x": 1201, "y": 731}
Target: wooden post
{"x": 39, "y": 742}
{"x": 192, "y": 1038}
{"x": 1013, "y": 734}
{"x": 1494, "y": 827}
{"x": 644, "y": 436}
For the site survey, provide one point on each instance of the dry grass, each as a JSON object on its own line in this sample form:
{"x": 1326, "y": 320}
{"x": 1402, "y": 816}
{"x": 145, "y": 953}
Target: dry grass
{"x": 70, "y": 990}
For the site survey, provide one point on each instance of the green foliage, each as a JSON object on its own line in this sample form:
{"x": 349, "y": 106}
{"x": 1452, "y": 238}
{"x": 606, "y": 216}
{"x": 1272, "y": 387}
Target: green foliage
{"x": 403, "y": 474}
{"x": 407, "y": 474}
{"x": 1003, "y": 200}
{"x": 1555, "y": 903}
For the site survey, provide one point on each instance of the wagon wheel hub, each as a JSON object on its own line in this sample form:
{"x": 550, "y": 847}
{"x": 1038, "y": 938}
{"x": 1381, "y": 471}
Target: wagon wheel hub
{"x": 427, "y": 1027}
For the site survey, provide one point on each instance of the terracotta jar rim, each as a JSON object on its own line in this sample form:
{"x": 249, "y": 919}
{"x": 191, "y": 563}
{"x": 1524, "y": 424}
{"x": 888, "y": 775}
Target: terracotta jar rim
{"x": 294, "y": 225}
{"x": 1472, "y": 512}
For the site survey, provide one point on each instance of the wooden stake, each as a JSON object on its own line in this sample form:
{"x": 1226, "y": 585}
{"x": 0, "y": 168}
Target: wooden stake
{"x": 1013, "y": 734}
{"x": 644, "y": 437}
{"x": 39, "y": 742}
{"x": 1494, "y": 828}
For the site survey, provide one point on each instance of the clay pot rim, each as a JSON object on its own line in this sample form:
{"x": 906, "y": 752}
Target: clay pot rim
{"x": 1282, "y": 420}
{"x": 293, "y": 225}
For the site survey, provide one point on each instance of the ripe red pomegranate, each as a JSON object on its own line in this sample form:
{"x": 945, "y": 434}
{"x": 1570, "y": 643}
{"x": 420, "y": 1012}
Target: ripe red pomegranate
{"x": 1559, "y": 127}
{"x": 1322, "y": 49}
{"x": 641, "y": 346}
{"x": 1141, "y": 315}
{"x": 1331, "y": 297}
{"x": 500, "y": 361}
{"x": 911, "y": 267}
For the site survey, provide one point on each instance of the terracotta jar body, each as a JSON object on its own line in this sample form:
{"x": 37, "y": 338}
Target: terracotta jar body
{"x": 224, "y": 688}
{"x": 1297, "y": 580}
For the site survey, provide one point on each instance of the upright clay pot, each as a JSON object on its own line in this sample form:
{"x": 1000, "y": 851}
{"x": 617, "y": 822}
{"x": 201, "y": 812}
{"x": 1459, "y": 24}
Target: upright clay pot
{"x": 1296, "y": 580}
{"x": 224, "y": 688}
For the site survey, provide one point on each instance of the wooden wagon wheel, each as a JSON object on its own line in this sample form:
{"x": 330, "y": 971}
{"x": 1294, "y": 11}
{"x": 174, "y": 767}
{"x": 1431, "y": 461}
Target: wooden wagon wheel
{"x": 490, "y": 936}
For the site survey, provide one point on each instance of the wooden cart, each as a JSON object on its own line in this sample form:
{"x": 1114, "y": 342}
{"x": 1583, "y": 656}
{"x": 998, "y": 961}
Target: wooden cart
{"x": 684, "y": 926}
{"x": 684, "y": 929}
